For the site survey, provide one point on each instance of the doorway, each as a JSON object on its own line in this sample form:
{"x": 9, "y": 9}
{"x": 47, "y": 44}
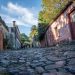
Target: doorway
{"x": 72, "y": 24}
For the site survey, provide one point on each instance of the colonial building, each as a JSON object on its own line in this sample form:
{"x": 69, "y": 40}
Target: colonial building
{"x": 62, "y": 28}
{"x": 14, "y": 35}
{"x": 3, "y": 33}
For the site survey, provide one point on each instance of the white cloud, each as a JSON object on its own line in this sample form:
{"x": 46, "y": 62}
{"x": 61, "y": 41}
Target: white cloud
{"x": 24, "y": 15}
{"x": 9, "y": 19}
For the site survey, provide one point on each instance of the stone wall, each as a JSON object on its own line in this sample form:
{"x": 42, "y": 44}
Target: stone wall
{"x": 59, "y": 30}
{"x": 49, "y": 37}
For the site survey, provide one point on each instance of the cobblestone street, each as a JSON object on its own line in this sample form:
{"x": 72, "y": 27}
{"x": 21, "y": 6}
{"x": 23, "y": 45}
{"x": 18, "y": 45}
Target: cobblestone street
{"x": 37, "y": 37}
{"x": 39, "y": 61}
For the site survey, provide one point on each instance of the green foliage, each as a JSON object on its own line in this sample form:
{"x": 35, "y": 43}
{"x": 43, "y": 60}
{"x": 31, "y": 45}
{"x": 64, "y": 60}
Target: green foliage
{"x": 34, "y": 32}
{"x": 50, "y": 9}
{"x": 42, "y": 27}
{"x": 24, "y": 39}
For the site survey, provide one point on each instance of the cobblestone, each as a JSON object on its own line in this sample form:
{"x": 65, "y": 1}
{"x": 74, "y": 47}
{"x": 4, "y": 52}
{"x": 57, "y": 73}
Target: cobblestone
{"x": 39, "y": 61}
{"x": 39, "y": 70}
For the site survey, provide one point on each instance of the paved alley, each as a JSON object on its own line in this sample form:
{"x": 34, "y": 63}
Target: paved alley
{"x": 39, "y": 61}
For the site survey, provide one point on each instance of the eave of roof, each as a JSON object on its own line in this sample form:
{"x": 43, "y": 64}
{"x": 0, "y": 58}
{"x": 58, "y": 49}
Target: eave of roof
{"x": 4, "y": 24}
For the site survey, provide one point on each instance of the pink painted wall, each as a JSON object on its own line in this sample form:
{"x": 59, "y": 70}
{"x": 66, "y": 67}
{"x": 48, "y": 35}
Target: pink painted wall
{"x": 63, "y": 27}
{"x": 50, "y": 37}
{"x": 62, "y": 23}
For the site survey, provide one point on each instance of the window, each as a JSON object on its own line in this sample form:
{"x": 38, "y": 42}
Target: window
{"x": 56, "y": 31}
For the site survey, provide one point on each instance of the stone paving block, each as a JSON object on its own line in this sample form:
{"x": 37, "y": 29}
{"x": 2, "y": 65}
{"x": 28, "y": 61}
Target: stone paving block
{"x": 51, "y": 67}
{"x": 60, "y": 63}
{"x": 53, "y": 58}
{"x": 70, "y": 68}
{"x": 13, "y": 61}
{"x": 23, "y": 73}
{"x": 63, "y": 73}
{"x": 13, "y": 70}
{"x": 33, "y": 65}
{"x": 22, "y": 61}
{"x": 49, "y": 62}
{"x": 46, "y": 74}
{"x": 61, "y": 70}
{"x": 4, "y": 62}
{"x": 2, "y": 69}
{"x": 31, "y": 71}
{"x": 50, "y": 73}
{"x": 71, "y": 61}
{"x": 28, "y": 63}
{"x": 70, "y": 54}
{"x": 39, "y": 70}
{"x": 43, "y": 59}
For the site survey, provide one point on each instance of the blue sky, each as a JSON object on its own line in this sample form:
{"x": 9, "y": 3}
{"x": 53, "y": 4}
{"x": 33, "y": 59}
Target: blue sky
{"x": 24, "y": 12}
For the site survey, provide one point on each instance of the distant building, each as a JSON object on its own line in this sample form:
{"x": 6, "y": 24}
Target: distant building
{"x": 62, "y": 28}
{"x": 9, "y": 36}
{"x": 14, "y": 36}
{"x": 35, "y": 42}
{"x": 3, "y": 33}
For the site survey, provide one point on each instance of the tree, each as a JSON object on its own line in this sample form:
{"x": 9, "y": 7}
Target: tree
{"x": 34, "y": 36}
{"x": 34, "y": 31}
{"x": 50, "y": 9}
{"x": 24, "y": 39}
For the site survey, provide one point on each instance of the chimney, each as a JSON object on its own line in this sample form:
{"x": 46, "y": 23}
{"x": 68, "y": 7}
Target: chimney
{"x": 14, "y": 23}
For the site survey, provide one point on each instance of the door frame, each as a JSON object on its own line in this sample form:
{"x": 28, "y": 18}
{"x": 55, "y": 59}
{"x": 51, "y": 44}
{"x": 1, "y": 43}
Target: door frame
{"x": 69, "y": 18}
